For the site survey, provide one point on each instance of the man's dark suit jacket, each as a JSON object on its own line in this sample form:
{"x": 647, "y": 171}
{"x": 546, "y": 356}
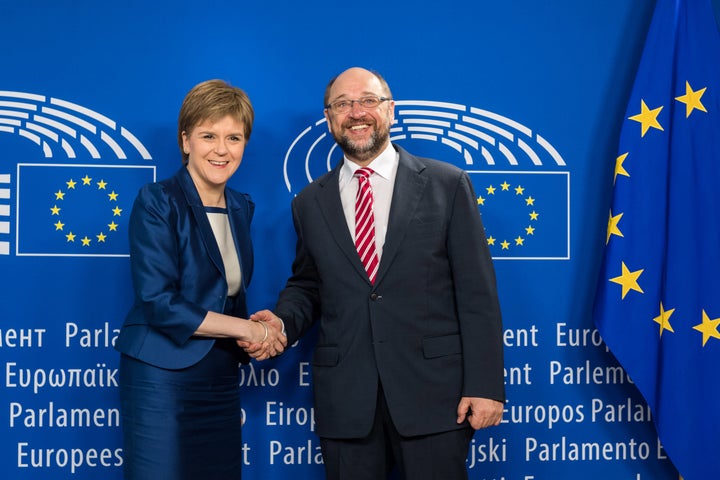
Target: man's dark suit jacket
{"x": 429, "y": 329}
{"x": 178, "y": 272}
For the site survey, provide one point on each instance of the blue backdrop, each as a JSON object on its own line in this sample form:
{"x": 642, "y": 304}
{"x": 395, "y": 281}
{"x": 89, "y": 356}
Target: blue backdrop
{"x": 527, "y": 96}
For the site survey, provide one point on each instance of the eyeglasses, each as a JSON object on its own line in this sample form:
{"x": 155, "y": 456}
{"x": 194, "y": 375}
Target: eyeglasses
{"x": 367, "y": 103}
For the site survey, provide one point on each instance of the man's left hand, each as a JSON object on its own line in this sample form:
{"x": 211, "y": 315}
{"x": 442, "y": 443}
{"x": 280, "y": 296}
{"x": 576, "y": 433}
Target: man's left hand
{"x": 480, "y": 412}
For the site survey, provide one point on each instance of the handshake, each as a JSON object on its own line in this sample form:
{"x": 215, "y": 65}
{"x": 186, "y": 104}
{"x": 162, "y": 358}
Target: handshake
{"x": 267, "y": 340}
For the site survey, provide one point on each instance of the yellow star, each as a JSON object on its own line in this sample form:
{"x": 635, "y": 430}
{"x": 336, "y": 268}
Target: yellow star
{"x": 505, "y": 245}
{"x": 692, "y": 101}
{"x": 490, "y": 190}
{"x": 664, "y": 319}
{"x": 113, "y": 226}
{"x": 70, "y": 237}
{"x": 519, "y": 240}
{"x": 530, "y": 230}
{"x": 529, "y": 201}
{"x": 505, "y": 186}
{"x": 59, "y": 225}
{"x": 709, "y": 328}
{"x": 59, "y": 195}
{"x": 619, "y": 168}
{"x": 628, "y": 280}
{"x": 116, "y": 211}
{"x": 491, "y": 240}
{"x": 85, "y": 241}
{"x": 55, "y": 210}
{"x": 71, "y": 183}
{"x": 102, "y": 184}
{"x": 647, "y": 118}
{"x": 612, "y": 228}
{"x": 533, "y": 215}
{"x": 86, "y": 180}
{"x": 481, "y": 201}
{"x": 519, "y": 190}
{"x": 113, "y": 196}
{"x": 101, "y": 237}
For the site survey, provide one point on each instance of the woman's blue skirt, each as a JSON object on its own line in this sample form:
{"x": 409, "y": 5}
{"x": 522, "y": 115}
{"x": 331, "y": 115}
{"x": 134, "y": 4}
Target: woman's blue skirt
{"x": 182, "y": 424}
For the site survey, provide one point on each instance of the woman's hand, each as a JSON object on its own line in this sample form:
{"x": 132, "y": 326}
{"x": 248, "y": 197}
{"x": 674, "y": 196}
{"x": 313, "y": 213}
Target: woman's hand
{"x": 267, "y": 336}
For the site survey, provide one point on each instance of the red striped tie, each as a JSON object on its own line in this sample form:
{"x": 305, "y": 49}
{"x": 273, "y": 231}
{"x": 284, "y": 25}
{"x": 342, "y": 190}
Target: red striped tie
{"x": 365, "y": 223}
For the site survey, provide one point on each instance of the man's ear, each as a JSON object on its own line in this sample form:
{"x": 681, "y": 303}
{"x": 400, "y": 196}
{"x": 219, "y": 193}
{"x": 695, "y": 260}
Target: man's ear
{"x": 327, "y": 120}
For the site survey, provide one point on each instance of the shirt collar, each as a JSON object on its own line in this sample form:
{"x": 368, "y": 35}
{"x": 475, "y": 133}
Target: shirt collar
{"x": 382, "y": 165}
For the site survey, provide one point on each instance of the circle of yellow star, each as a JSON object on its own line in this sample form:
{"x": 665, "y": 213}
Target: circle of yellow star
{"x": 86, "y": 240}
{"x": 519, "y": 190}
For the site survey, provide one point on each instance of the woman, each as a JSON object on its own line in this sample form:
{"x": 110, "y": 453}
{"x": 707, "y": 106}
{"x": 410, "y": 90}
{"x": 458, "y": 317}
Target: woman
{"x": 191, "y": 261}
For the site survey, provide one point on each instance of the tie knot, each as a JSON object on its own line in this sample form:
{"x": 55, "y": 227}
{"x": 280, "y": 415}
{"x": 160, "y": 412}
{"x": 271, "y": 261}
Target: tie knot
{"x": 363, "y": 172}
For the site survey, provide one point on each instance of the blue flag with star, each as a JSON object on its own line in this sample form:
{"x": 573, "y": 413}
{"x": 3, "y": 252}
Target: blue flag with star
{"x": 76, "y": 210}
{"x": 525, "y": 214}
{"x": 658, "y": 300}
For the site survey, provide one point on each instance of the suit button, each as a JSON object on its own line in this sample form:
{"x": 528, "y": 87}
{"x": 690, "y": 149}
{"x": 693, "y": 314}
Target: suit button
{"x": 374, "y": 297}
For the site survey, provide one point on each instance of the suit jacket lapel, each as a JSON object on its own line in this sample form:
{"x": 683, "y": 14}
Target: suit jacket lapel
{"x": 407, "y": 192}
{"x": 330, "y": 206}
{"x": 238, "y": 215}
{"x": 198, "y": 211}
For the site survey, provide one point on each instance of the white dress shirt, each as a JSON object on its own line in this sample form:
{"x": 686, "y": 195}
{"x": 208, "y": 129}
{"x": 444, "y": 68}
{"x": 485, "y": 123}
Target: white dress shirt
{"x": 220, "y": 224}
{"x": 382, "y": 182}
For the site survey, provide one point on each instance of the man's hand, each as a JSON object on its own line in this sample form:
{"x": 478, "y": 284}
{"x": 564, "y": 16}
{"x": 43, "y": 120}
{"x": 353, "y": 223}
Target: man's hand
{"x": 480, "y": 412}
{"x": 275, "y": 342}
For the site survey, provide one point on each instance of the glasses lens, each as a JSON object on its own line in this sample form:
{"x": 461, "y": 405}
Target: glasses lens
{"x": 341, "y": 106}
{"x": 369, "y": 102}
{"x": 344, "y": 106}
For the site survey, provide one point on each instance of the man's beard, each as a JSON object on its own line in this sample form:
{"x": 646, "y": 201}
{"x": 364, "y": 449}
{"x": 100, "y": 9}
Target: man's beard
{"x": 368, "y": 149}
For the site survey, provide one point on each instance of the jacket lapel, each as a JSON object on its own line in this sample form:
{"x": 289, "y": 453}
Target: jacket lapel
{"x": 198, "y": 211}
{"x": 407, "y": 192}
{"x": 330, "y": 207}
{"x": 239, "y": 216}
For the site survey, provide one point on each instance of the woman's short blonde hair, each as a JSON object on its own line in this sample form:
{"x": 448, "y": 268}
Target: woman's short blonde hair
{"x": 213, "y": 100}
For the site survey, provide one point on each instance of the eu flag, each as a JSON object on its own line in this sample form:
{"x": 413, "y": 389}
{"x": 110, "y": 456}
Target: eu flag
{"x": 658, "y": 299}
{"x": 525, "y": 214}
{"x": 76, "y": 210}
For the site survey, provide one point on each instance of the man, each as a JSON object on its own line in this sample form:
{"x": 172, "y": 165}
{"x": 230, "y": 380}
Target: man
{"x": 409, "y": 355}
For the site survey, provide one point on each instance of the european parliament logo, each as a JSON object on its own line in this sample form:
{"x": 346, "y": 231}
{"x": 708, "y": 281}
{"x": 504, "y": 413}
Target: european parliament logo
{"x": 64, "y": 198}
{"x": 521, "y": 181}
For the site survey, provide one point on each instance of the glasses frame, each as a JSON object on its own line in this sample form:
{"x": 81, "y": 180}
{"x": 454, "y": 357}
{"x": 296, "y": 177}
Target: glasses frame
{"x": 331, "y": 106}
